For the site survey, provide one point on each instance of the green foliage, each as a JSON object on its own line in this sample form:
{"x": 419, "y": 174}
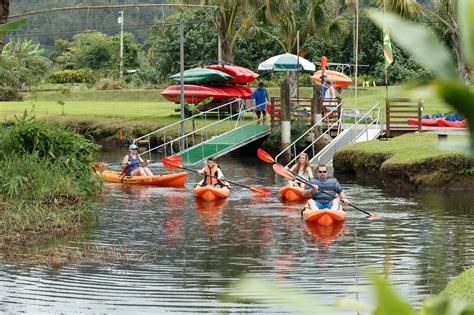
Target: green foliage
{"x": 200, "y": 44}
{"x": 11, "y": 26}
{"x": 423, "y": 45}
{"x": 8, "y": 94}
{"x": 96, "y": 51}
{"x": 109, "y": 84}
{"x": 387, "y": 302}
{"x": 72, "y": 76}
{"x": 461, "y": 287}
{"x": 63, "y": 93}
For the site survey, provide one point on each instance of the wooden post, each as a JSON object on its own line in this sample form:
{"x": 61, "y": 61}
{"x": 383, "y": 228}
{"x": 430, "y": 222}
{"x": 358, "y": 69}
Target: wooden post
{"x": 316, "y": 108}
{"x": 387, "y": 116}
{"x": 285, "y": 118}
{"x": 420, "y": 108}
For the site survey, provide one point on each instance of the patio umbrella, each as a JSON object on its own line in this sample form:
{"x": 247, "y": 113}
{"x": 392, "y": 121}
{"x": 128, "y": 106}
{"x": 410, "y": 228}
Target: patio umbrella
{"x": 287, "y": 62}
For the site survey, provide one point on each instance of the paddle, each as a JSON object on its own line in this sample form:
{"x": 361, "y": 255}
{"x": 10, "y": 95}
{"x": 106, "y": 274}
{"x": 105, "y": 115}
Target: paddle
{"x": 283, "y": 171}
{"x": 100, "y": 166}
{"x": 175, "y": 164}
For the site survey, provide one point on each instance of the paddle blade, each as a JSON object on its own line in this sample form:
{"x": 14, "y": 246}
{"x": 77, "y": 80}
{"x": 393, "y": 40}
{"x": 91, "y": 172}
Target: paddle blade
{"x": 279, "y": 169}
{"x": 324, "y": 62}
{"x": 99, "y": 166}
{"x": 169, "y": 163}
{"x": 175, "y": 158}
{"x": 261, "y": 190}
{"x": 264, "y": 156}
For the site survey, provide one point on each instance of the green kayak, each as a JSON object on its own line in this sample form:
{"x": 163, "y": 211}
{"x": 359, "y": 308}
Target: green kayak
{"x": 202, "y": 75}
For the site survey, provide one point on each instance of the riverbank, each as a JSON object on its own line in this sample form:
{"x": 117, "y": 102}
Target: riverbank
{"x": 461, "y": 287}
{"x": 47, "y": 185}
{"x": 119, "y": 116}
{"x": 412, "y": 161}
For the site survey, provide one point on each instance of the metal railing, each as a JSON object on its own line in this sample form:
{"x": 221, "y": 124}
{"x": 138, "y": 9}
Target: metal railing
{"x": 227, "y": 119}
{"x": 336, "y": 124}
{"x": 352, "y": 135}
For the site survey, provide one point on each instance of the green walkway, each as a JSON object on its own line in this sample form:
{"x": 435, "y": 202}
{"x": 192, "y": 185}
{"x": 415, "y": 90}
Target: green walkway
{"x": 224, "y": 143}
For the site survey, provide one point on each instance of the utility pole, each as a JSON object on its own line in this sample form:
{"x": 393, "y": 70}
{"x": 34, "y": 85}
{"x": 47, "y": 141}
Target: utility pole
{"x": 120, "y": 21}
{"x": 181, "y": 71}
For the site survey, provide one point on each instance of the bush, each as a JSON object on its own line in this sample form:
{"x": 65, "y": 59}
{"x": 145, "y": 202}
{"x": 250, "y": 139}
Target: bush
{"x": 9, "y": 95}
{"x": 109, "y": 84}
{"x": 72, "y": 76}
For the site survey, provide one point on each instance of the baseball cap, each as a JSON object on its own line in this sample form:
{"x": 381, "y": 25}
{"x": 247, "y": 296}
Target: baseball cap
{"x": 132, "y": 146}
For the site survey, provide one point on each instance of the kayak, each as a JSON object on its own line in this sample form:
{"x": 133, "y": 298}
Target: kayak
{"x": 292, "y": 193}
{"x": 210, "y": 192}
{"x": 339, "y": 79}
{"x": 196, "y": 93}
{"x": 241, "y": 75}
{"x": 452, "y": 124}
{"x": 202, "y": 75}
{"x": 170, "y": 179}
{"x": 431, "y": 122}
{"x": 324, "y": 216}
{"x": 326, "y": 234}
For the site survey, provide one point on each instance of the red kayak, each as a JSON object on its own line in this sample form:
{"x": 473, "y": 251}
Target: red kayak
{"x": 196, "y": 93}
{"x": 241, "y": 75}
{"x": 453, "y": 124}
{"x": 431, "y": 122}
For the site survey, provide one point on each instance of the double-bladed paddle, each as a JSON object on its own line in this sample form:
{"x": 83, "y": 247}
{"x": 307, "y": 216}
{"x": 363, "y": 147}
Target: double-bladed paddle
{"x": 175, "y": 163}
{"x": 283, "y": 171}
{"x": 100, "y": 166}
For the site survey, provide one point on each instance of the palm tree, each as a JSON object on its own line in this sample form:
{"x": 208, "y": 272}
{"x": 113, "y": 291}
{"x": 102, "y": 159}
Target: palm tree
{"x": 231, "y": 18}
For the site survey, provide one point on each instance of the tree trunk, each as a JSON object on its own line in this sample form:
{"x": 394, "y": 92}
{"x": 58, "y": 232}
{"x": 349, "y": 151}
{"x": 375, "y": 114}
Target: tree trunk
{"x": 227, "y": 54}
{"x": 293, "y": 83}
{"x": 462, "y": 66}
{"x": 285, "y": 119}
{"x": 4, "y": 12}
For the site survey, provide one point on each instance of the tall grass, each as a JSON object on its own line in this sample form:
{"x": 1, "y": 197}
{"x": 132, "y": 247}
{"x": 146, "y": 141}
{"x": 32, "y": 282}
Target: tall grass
{"x": 46, "y": 182}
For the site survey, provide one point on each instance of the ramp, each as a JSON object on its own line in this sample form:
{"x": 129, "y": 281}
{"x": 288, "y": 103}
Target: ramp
{"x": 225, "y": 143}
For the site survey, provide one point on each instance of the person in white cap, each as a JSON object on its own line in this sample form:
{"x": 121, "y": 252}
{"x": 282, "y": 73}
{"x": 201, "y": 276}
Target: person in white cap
{"x": 131, "y": 163}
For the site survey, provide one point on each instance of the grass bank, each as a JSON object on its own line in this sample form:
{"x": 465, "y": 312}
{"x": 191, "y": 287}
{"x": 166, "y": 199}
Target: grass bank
{"x": 461, "y": 287}
{"x": 47, "y": 186}
{"x": 409, "y": 161}
{"x": 101, "y": 114}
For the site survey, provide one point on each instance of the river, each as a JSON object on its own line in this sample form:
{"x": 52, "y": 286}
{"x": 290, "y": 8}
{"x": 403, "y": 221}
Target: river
{"x": 178, "y": 254}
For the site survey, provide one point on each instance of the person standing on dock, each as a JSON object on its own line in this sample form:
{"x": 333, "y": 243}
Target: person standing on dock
{"x": 260, "y": 95}
{"x": 131, "y": 163}
{"x": 326, "y": 192}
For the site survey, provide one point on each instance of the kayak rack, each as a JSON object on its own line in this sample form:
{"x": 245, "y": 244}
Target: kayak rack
{"x": 214, "y": 132}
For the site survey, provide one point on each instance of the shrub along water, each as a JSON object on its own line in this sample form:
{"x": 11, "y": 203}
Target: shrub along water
{"x": 46, "y": 182}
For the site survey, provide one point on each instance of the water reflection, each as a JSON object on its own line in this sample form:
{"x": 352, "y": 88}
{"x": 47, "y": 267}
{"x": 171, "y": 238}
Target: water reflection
{"x": 420, "y": 241}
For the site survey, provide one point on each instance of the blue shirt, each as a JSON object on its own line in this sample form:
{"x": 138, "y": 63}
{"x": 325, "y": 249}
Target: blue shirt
{"x": 324, "y": 89}
{"x": 329, "y": 185}
{"x": 260, "y": 97}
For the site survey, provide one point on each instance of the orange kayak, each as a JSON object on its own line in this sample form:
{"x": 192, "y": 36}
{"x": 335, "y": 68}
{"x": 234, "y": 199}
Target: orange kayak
{"x": 339, "y": 79}
{"x": 170, "y": 179}
{"x": 324, "y": 216}
{"x": 292, "y": 193}
{"x": 211, "y": 193}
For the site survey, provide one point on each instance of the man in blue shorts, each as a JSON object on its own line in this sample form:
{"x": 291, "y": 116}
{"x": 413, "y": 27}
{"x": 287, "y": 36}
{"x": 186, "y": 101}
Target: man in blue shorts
{"x": 330, "y": 185}
{"x": 260, "y": 95}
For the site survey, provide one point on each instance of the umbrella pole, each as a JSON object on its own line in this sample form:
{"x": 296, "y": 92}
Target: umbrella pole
{"x": 298, "y": 68}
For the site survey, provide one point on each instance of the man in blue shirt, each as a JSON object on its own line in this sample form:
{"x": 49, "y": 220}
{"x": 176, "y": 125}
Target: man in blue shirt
{"x": 330, "y": 185}
{"x": 260, "y": 96}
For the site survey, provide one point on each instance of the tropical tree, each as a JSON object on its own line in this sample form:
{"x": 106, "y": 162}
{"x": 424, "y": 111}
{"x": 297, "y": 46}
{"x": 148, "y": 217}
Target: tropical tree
{"x": 4, "y": 12}
{"x": 230, "y": 18}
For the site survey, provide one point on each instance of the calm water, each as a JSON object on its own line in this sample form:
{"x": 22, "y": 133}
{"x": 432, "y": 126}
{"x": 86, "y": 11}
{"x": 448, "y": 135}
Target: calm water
{"x": 184, "y": 254}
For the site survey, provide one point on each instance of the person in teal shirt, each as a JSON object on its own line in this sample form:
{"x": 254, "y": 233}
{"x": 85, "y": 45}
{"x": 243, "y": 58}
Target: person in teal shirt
{"x": 260, "y": 95}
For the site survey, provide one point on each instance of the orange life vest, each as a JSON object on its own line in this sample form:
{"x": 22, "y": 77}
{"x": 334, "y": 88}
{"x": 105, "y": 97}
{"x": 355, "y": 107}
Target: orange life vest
{"x": 212, "y": 172}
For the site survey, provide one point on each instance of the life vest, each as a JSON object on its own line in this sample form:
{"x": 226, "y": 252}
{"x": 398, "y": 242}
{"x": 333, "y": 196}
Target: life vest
{"x": 213, "y": 172}
{"x": 134, "y": 164}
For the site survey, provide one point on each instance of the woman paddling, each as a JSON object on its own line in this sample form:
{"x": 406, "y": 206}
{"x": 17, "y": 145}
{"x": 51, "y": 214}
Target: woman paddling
{"x": 303, "y": 169}
{"x": 131, "y": 163}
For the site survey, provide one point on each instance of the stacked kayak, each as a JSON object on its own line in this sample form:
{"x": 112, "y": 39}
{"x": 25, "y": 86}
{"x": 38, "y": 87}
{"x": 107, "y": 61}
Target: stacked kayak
{"x": 338, "y": 79}
{"x": 220, "y": 82}
{"x": 197, "y": 93}
{"x": 292, "y": 193}
{"x": 324, "y": 216}
{"x": 201, "y": 76}
{"x": 211, "y": 192}
{"x": 168, "y": 180}
{"x": 438, "y": 122}
{"x": 241, "y": 75}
